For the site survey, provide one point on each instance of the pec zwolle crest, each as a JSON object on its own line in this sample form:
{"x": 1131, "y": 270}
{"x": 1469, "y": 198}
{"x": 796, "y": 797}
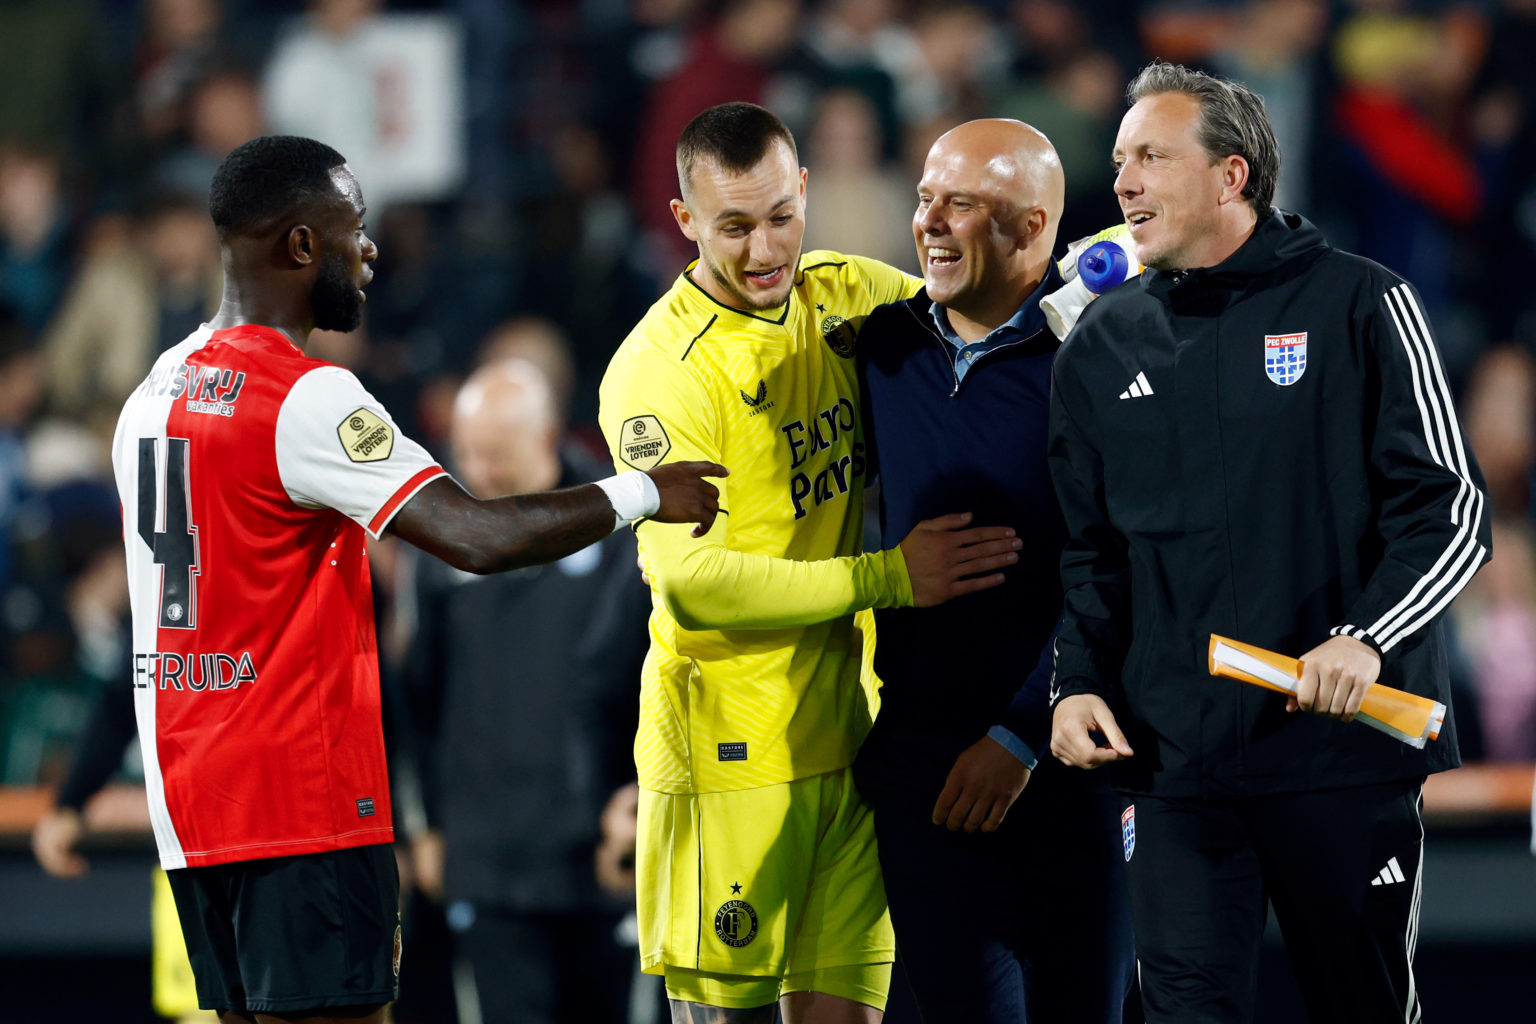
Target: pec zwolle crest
{"x": 1285, "y": 357}
{"x": 840, "y": 335}
{"x": 736, "y": 923}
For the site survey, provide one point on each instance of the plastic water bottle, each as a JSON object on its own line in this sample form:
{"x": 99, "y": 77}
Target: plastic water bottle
{"x": 1105, "y": 264}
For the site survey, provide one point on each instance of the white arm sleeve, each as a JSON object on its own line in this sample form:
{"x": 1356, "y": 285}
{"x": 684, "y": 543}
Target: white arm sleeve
{"x": 338, "y": 448}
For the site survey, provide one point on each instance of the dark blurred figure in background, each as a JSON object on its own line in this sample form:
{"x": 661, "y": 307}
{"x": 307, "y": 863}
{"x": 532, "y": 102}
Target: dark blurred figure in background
{"x": 1495, "y": 617}
{"x": 861, "y": 203}
{"x": 146, "y": 284}
{"x": 36, "y": 243}
{"x": 522, "y": 690}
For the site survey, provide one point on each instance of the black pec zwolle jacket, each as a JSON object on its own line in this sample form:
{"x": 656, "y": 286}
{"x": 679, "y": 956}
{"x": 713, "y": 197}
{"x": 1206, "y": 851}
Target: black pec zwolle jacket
{"x": 1209, "y": 486}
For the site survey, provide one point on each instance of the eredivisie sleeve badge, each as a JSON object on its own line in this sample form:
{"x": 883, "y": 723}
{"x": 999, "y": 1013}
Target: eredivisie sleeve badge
{"x": 365, "y": 437}
{"x": 643, "y": 442}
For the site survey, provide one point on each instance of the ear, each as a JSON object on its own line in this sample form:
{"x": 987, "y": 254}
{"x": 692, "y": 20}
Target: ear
{"x": 684, "y": 219}
{"x": 1234, "y": 178}
{"x": 1032, "y": 226}
{"x": 301, "y": 244}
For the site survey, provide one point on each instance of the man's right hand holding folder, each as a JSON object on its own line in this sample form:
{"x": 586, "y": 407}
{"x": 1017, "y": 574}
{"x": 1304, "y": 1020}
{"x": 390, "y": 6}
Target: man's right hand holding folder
{"x": 1334, "y": 677}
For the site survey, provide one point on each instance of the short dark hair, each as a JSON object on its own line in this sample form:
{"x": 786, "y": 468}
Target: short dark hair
{"x": 1233, "y": 121}
{"x": 734, "y": 135}
{"x": 268, "y": 177}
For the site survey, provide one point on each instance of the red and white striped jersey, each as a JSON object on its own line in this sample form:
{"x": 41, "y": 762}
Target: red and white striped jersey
{"x": 248, "y": 473}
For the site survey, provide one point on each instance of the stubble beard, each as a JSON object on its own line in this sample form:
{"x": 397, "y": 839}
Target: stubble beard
{"x": 736, "y": 293}
{"x": 333, "y": 297}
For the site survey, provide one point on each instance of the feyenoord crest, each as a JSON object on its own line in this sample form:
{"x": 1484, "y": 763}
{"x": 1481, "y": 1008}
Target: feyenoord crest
{"x": 736, "y": 923}
{"x": 840, "y": 335}
{"x": 1285, "y": 357}
{"x": 1128, "y": 830}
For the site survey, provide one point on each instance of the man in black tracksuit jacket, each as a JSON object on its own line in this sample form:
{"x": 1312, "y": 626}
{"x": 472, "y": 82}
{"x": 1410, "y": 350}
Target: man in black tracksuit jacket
{"x": 999, "y": 921}
{"x": 1255, "y": 438}
{"x": 520, "y": 698}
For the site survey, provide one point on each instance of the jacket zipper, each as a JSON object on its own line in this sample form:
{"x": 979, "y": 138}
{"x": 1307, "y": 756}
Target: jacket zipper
{"x": 952, "y": 354}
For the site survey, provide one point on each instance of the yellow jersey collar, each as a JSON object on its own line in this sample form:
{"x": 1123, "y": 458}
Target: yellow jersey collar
{"x": 776, "y": 315}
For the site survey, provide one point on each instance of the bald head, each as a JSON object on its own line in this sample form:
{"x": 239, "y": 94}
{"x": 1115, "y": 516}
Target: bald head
{"x": 989, "y": 206}
{"x": 506, "y": 431}
{"x": 1013, "y": 158}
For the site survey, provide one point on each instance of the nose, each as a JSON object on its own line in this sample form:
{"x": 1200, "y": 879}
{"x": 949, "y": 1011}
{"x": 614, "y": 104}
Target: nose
{"x": 927, "y": 218}
{"x": 1127, "y": 183}
{"x": 370, "y": 251}
{"x": 759, "y": 248}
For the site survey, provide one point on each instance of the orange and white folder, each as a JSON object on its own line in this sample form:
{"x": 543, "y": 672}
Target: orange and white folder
{"x": 1413, "y": 719}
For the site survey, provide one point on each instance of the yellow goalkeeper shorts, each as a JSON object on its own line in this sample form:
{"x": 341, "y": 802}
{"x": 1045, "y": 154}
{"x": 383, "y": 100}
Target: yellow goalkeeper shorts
{"x": 777, "y": 882}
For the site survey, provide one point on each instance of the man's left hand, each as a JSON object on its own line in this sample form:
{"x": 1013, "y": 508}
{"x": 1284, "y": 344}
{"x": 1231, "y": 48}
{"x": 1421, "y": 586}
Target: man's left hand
{"x": 983, "y": 784}
{"x": 1334, "y": 678}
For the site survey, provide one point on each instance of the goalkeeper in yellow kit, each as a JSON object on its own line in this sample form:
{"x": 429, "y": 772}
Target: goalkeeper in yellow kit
{"x": 757, "y": 876}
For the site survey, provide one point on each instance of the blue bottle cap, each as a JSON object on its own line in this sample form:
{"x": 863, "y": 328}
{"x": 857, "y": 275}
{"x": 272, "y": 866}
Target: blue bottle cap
{"x": 1102, "y": 266}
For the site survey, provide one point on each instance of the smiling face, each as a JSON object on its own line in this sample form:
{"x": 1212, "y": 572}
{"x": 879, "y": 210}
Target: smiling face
{"x": 987, "y": 209}
{"x": 1172, "y": 193}
{"x": 336, "y": 293}
{"x": 963, "y": 224}
{"x": 748, "y": 228}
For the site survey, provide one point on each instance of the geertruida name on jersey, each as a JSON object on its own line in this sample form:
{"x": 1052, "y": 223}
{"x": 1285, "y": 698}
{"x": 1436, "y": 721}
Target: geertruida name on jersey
{"x": 209, "y": 389}
{"x": 168, "y": 670}
{"x": 828, "y": 427}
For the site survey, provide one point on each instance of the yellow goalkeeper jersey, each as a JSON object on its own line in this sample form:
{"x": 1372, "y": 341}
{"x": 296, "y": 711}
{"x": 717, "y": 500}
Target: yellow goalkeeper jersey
{"x": 752, "y": 677}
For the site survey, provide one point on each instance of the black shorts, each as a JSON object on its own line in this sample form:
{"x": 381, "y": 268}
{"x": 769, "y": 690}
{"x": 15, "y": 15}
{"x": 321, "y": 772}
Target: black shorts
{"x": 297, "y": 933}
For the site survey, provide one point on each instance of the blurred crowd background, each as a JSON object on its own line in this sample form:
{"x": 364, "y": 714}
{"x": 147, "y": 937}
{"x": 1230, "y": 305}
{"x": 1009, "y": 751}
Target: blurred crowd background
{"x": 516, "y": 158}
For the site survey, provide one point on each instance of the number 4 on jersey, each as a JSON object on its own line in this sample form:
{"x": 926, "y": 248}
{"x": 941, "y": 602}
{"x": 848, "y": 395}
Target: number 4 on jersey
{"x": 175, "y": 546}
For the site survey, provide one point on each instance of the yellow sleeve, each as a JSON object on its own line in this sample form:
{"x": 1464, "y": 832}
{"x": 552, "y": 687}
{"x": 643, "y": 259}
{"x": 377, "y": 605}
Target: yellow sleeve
{"x": 654, "y": 410}
{"x": 885, "y": 282}
{"x": 707, "y": 585}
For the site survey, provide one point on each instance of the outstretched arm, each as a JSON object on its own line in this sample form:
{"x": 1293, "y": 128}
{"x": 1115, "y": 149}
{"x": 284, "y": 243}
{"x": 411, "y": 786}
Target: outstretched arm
{"x": 709, "y": 585}
{"x": 494, "y": 535}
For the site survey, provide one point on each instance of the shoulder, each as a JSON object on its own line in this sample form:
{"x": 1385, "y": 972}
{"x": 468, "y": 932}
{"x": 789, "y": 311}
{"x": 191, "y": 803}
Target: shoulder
{"x": 1113, "y": 313}
{"x": 898, "y": 315}
{"x": 669, "y": 328}
{"x": 1346, "y": 270}
{"x": 833, "y": 269}
{"x": 893, "y": 331}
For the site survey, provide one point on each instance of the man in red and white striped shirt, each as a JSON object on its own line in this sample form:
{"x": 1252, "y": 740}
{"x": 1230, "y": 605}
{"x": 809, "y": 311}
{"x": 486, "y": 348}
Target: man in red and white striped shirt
{"x": 249, "y": 474}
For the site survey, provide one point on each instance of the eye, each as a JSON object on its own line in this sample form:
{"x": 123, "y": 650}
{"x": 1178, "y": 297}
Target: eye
{"x": 784, "y": 218}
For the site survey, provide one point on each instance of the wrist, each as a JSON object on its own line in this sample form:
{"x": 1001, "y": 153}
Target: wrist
{"x": 898, "y": 580}
{"x": 632, "y": 494}
{"x": 1009, "y": 741}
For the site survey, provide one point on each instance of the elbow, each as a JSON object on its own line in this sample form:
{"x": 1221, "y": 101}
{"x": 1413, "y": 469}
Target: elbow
{"x": 476, "y": 560}
{"x": 691, "y": 609}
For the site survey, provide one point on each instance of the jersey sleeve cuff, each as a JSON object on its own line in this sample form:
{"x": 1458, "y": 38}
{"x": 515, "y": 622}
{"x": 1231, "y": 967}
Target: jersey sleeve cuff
{"x": 897, "y": 589}
{"x": 381, "y": 519}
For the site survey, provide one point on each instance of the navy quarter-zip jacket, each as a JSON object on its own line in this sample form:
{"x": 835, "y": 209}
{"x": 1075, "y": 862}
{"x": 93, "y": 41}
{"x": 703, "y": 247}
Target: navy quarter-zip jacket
{"x": 943, "y": 445}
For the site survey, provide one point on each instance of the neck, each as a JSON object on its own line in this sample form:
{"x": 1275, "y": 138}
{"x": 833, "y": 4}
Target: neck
{"x": 251, "y": 303}
{"x": 1239, "y": 227}
{"x": 980, "y": 315}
